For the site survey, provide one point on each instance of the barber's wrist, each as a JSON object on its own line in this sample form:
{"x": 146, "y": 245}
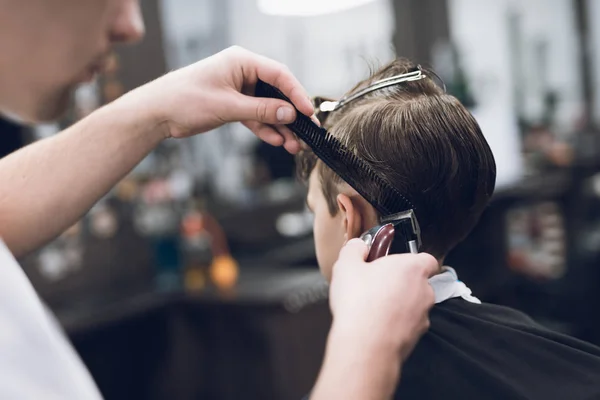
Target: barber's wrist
{"x": 376, "y": 333}
{"x": 373, "y": 338}
{"x": 139, "y": 111}
{"x": 364, "y": 364}
{"x": 360, "y": 346}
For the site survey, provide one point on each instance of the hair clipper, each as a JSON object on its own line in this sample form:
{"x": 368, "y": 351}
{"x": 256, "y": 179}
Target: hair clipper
{"x": 398, "y": 233}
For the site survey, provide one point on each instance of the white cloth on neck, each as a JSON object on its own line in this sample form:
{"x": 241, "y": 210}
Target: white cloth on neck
{"x": 447, "y": 286}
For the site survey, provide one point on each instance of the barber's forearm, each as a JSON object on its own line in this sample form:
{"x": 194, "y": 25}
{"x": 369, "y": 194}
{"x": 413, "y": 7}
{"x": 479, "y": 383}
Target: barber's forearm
{"x": 365, "y": 367}
{"x": 49, "y": 185}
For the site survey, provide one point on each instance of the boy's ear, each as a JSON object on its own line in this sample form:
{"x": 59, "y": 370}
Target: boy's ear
{"x": 352, "y": 219}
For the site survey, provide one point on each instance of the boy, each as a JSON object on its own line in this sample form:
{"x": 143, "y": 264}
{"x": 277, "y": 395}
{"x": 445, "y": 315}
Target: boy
{"x": 430, "y": 148}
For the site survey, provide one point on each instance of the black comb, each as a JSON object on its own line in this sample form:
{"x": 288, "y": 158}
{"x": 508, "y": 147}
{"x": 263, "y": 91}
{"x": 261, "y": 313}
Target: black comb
{"x": 352, "y": 169}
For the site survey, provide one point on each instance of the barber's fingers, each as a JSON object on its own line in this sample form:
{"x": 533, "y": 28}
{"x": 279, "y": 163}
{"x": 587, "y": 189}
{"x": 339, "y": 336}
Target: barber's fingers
{"x": 256, "y": 67}
{"x": 275, "y": 135}
{"x": 429, "y": 264}
{"x": 355, "y": 250}
{"x": 264, "y": 110}
{"x": 266, "y": 133}
{"x": 423, "y": 262}
{"x": 292, "y": 145}
{"x": 315, "y": 120}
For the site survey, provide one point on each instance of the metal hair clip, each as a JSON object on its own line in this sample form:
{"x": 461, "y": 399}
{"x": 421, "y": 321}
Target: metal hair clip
{"x": 399, "y": 233}
{"x": 328, "y": 106}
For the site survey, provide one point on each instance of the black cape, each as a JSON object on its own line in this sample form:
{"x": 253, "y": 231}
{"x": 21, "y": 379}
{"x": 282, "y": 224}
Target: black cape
{"x": 484, "y": 351}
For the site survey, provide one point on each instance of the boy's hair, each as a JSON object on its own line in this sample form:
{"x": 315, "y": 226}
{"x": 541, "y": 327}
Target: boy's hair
{"x": 425, "y": 143}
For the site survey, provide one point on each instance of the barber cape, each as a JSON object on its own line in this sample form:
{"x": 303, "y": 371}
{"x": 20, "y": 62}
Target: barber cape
{"x": 485, "y": 352}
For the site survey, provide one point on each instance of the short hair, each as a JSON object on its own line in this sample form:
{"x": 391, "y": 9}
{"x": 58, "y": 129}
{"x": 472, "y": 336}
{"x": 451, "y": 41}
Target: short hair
{"x": 425, "y": 143}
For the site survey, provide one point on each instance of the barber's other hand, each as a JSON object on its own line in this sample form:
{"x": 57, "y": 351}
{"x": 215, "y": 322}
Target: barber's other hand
{"x": 218, "y": 90}
{"x": 386, "y": 301}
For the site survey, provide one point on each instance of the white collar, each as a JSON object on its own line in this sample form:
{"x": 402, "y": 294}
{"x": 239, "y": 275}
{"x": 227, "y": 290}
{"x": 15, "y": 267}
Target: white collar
{"x": 447, "y": 286}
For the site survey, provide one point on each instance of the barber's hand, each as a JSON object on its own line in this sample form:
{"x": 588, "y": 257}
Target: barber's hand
{"x": 218, "y": 90}
{"x": 387, "y": 300}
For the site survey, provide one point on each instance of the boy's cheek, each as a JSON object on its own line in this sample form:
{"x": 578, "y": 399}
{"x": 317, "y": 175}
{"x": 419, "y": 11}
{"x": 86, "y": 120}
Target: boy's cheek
{"x": 327, "y": 249}
{"x": 329, "y": 238}
{"x": 323, "y": 259}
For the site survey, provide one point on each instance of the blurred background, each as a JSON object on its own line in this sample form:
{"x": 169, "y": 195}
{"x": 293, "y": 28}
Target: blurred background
{"x": 196, "y": 276}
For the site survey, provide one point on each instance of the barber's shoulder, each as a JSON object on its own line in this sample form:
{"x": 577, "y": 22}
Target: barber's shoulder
{"x": 6, "y": 257}
{"x": 34, "y": 350}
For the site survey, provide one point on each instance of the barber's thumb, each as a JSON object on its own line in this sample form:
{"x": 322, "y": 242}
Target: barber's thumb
{"x": 354, "y": 250}
{"x": 429, "y": 263}
{"x": 267, "y": 111}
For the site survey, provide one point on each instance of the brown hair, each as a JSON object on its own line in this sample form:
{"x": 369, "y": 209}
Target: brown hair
{"x": 425, "y": 143}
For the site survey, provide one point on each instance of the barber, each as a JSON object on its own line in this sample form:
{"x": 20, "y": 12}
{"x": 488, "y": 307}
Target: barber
{"x": 47, "y": 48}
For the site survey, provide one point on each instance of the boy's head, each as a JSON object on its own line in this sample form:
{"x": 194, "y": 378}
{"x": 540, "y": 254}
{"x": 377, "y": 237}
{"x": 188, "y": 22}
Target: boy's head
{"x": 424, "y": 142}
